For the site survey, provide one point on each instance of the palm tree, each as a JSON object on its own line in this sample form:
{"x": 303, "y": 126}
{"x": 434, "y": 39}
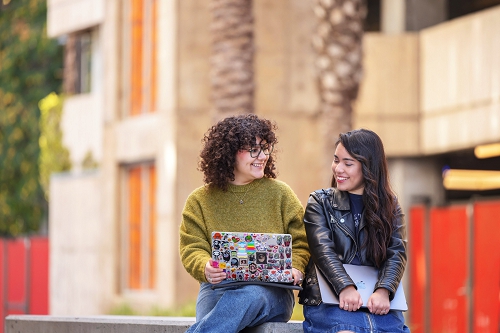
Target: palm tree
{"x": 338, "y": 43}
{"x": 232, "y": 57}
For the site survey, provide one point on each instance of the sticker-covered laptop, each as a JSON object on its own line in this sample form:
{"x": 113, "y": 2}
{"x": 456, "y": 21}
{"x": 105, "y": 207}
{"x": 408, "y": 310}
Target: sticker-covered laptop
{"x": 253, "y": 257}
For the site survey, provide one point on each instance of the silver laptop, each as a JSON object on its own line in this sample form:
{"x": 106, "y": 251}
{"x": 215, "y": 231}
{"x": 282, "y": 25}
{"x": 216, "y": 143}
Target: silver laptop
{"x": 365, "y": 278}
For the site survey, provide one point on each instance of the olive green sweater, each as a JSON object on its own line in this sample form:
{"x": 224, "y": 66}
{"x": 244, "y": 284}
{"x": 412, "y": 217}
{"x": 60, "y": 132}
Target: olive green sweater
{"x": 269, "y": 206}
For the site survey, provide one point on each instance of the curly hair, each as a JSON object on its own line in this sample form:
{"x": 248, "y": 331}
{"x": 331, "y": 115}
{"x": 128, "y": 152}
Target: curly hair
{"x": 378, "y": 197}
{"x": 223, "y": 140}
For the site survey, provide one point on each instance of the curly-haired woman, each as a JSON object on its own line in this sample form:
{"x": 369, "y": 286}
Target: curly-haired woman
{"x": 359, "y": 221}
{"x": 240, "y": 194}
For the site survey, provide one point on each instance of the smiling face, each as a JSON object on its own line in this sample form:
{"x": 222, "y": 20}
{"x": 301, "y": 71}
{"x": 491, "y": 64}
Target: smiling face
{"x": 248, "y": 168}
{"x": 347, "y": 171}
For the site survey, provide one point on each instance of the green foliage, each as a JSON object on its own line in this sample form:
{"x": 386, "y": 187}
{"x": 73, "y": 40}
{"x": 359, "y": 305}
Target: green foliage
{"x": 30, "y": 67}
{"x": 123, "y": 310}
{"x": 185, "y": 310}
{"x": 54, "y": 157}
{"x": 89, "y": 162}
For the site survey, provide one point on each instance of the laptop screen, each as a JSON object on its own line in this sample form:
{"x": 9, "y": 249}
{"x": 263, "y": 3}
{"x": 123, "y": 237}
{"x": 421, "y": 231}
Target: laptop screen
{"x": 249, "y": 256}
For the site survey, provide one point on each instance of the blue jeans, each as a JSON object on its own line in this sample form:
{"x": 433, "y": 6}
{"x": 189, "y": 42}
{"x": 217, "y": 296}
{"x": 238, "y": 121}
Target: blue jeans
{"x": 231, "y": 309}
{"x": 329, "y": 318}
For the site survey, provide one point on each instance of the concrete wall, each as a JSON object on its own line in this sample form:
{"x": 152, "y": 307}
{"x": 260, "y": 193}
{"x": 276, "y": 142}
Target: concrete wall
{"x": 388, "y": 101}
{"x": 122, "y": 324}
{"x": 192, "y": 91}
{"x": 82, "y": 126}
{"x": 460, "y": 83}
{"x": 109, "y": 324}
{"x": 65, "y": 16}
{"x": 80, "y": 254}
{"x": 435, "y": 91}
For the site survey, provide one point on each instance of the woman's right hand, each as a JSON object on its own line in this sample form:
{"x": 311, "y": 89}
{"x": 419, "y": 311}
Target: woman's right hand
{"x": 214, "y": 275}
{"x": 350, "y": 299}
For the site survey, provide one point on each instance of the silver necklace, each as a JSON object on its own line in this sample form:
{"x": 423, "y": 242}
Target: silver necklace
{"x": 241, "y": 199}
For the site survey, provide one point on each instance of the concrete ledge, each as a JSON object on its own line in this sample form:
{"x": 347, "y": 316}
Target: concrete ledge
{"x": 122, "y": 324}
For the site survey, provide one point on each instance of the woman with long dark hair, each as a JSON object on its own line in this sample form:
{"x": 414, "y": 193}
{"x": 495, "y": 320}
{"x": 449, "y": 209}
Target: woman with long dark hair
{"x": 356, "y": 221}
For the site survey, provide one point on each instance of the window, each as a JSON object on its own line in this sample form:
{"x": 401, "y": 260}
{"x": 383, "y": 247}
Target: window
{"x": 139, "y": 243}
{"x": 140, "y": 41}
{"x": 78, "y": 63}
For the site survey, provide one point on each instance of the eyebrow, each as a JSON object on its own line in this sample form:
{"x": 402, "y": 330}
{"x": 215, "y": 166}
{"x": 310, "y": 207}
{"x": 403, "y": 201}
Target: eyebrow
{"x": 260, "y": 144}
{"x": 345, "y": 159}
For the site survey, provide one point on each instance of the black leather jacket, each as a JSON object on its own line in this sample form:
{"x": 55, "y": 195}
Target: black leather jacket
{"x": 329, "y": 225}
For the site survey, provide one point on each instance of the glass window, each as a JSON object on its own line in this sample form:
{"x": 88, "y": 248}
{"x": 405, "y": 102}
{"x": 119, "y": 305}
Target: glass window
{"x": 139, "y": 250}
{"x": 141, "y": 43}
{"x": 78, "y": 63}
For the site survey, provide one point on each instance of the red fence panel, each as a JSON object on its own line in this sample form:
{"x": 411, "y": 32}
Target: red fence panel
{"x": 16, "y": 276}
{"x": 416, "y": 269}
{"x": 454, "y": 277}
{"x": 448, "y": 269}
{"x": 39, "y": 281}
{"x": 24, "y": 273}
{"x": 486, "y": 268}
{"x": 3, "y": 287}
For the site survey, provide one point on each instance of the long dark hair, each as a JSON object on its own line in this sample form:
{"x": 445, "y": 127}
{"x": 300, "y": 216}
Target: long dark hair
{"x": 378, "y": 197}
{"x": 223, "y": 140}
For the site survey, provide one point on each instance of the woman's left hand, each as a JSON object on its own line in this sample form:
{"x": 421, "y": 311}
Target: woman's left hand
{"x": 297, "y": 276}
{"x": 213, "y": 275}
{"x": 379, "y": 303}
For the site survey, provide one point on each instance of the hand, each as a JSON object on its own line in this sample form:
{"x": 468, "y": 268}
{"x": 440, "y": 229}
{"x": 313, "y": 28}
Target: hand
{"x": 379, "y": 303}
{"x": 297, "y": 276}
{"x": 214, "y": 275}
{"x": 350, "y": 299}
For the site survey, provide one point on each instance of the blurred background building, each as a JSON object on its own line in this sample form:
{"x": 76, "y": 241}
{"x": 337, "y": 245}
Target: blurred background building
{"x": 139, "y": 77}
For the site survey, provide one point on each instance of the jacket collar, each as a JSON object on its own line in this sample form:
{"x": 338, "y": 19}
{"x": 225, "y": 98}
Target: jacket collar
{"x": 340, "y": 200}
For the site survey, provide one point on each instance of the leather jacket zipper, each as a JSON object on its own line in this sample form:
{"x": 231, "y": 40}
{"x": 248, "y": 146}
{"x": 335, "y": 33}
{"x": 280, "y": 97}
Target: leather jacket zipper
{"x": 347, "y": 232}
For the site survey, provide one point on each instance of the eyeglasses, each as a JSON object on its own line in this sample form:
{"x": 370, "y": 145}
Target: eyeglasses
{"x": 255, "y": 150}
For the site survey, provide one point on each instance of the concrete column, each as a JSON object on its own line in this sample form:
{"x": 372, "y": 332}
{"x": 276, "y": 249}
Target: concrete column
{"x": 393, "y": 16}
{"x": 169, "y": 286}
{"x": 416, "y": 180}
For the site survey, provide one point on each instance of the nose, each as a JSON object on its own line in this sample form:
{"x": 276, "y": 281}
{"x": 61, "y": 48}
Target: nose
{"x": 336, "y": 168}
{"x": 261, "y": 154}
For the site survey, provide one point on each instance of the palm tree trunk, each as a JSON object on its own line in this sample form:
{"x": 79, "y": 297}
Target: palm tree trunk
{"x": 338, "y": 43}
{"x": 231, "y": 74}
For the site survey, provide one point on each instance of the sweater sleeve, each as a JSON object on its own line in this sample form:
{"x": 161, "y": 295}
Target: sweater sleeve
{"x": 194, "y": 246}
{"x": 293, "y": 213}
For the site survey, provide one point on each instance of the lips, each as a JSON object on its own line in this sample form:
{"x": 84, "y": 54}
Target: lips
{"x": 341, "y": 179}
